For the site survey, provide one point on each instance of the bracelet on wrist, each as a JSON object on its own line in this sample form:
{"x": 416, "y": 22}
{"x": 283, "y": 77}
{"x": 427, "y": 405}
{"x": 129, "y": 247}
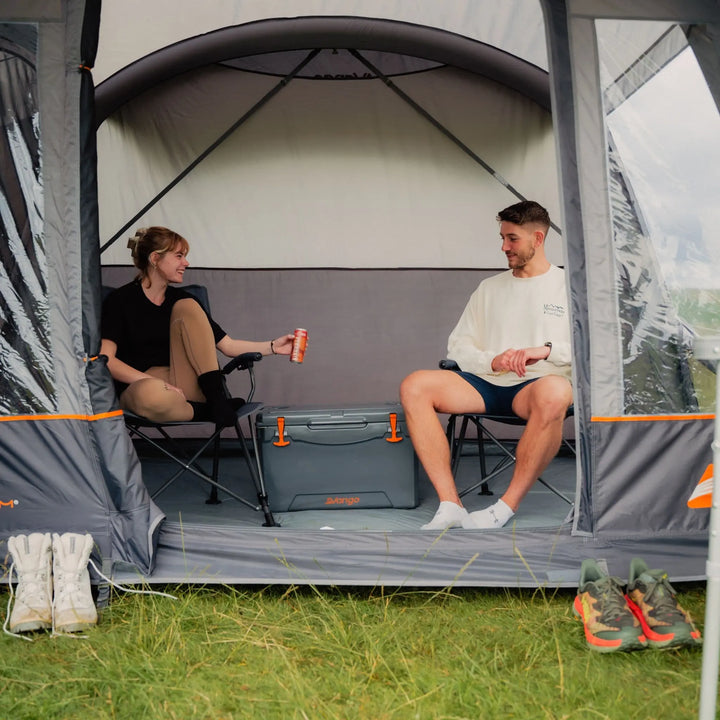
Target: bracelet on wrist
{"x": 272, "y": 347}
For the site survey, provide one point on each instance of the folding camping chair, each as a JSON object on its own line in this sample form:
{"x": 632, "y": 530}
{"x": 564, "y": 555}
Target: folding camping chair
{"x": 172, "y": 447}
{"x": 484, "y": 433}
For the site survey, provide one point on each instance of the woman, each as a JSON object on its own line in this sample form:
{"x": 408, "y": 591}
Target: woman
{"x": 160, "y": 343}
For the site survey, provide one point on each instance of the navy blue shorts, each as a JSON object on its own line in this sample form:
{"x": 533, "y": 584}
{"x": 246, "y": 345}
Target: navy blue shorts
{"x": 498, "y": 398}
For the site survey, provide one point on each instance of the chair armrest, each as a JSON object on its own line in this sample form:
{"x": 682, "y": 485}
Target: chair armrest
{"x": 243, "y": 361}
{"x": 446, "y": 364}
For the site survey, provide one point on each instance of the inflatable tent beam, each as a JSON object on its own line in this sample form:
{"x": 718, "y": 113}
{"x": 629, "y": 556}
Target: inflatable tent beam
{"x": 267, "y": 36}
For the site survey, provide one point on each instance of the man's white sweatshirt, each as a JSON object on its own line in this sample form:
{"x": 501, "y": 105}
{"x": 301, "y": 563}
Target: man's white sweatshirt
{"x": 509, "y": 312}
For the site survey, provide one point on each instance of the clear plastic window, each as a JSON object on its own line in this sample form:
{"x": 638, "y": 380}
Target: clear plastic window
{"x": 663, "y": 131}
{"x": 26, "y": 367}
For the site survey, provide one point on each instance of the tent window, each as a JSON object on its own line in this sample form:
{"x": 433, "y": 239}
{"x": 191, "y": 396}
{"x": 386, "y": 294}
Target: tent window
{"x": 663, "y": 132}
{"x": 26, "y": 370}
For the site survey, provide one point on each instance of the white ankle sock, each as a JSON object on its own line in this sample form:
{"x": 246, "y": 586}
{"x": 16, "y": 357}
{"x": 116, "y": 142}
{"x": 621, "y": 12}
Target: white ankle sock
{"x": 490, "y": 518}
{"x": 448, "y": 515}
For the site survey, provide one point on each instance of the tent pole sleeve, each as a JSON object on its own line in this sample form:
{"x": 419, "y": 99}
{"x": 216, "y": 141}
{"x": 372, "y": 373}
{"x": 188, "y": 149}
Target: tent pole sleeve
{"x": 260, "y": 103}
{"x": 709, "y": 349}
{"x": 437, "y": 124}
{"x": 89, "y": 223}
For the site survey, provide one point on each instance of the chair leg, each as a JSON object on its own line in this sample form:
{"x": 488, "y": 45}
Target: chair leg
{"x": 213, "y": 498}
{"x": 506, "y": 461}
{"x": 262, "y": 494}
{"x": 484, "y": 487}
{"x": 503, "y": 464}
{"x": 190, "y": 466}
{"x": 450, "y": 432}
{"x": 457, "y": 445}
{"x": 176, "y": 454}
{"x": 256, "y": 471}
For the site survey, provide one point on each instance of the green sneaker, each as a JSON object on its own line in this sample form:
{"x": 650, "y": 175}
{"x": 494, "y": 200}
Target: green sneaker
{"x": 600, "y": 603}
{"x": 652, "y": 600}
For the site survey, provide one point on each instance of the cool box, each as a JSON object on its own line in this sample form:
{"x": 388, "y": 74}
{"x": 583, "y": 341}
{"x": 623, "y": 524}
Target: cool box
{"x": 324, "y": 458}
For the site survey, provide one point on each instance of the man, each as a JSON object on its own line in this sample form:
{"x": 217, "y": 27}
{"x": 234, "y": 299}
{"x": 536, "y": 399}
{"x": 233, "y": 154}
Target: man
{"x": 513, "y": 345}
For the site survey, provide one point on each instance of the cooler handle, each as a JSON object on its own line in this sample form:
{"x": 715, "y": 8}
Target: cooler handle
{"x": 281, "y": 441}
{"x": 332, "y": 424}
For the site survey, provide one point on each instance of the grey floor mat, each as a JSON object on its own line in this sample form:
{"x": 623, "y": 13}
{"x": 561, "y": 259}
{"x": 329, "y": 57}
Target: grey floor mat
{"x": 184, "y": 500}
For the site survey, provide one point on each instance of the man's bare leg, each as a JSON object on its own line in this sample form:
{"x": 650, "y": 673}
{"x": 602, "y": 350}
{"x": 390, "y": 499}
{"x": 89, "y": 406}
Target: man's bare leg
{"x": 544, "y": 404}
{"x": 423, "y": 394}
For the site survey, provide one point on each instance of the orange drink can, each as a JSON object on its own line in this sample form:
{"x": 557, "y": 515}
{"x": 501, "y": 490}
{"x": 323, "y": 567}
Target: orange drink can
{"x": 297, "y": 354}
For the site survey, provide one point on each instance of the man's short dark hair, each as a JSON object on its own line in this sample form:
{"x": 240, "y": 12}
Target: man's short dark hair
{"x": 522, "y": 213}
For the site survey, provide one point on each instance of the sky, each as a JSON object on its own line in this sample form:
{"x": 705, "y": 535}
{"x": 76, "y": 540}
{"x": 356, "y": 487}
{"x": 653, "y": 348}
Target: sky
{"x": 668, "y": 135}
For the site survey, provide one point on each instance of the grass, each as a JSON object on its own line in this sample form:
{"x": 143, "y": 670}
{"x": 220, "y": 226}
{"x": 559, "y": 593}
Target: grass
{"x": 225, "y": 653}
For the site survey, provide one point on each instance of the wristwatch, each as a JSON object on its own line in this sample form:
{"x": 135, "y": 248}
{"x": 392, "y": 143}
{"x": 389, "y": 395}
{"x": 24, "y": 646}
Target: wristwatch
{"x": 548, "y": 345}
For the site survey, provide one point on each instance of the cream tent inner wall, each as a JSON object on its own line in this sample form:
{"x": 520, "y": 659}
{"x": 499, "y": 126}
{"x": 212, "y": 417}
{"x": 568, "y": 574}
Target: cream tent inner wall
{"x": 329, "y": 173}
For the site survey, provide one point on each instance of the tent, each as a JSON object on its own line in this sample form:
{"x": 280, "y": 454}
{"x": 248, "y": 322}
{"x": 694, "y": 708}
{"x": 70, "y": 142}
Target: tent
{"x": 339, "y": 166}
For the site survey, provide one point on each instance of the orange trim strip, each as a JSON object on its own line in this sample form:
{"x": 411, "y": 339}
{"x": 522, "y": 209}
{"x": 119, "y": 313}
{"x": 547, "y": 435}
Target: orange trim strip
{"x": 651, "y": 418}
{"x": 91, "y": 418}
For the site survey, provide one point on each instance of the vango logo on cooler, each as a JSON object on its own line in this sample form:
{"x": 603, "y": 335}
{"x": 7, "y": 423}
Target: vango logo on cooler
{"x": 342, "y": 500}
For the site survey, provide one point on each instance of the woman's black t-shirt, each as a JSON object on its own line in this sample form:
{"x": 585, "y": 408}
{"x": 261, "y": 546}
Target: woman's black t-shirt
{"x": 141, "y": 329}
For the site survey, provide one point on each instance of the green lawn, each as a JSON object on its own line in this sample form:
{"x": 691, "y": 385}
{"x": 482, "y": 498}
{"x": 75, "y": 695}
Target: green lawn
{"x": 307, "y": 653}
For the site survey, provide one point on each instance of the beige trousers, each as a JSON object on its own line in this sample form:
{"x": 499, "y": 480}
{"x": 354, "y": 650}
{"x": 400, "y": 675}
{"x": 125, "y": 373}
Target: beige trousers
{"x": 192, "y": 353}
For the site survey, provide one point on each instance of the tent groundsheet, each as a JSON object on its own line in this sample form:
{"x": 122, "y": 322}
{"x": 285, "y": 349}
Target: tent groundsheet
{"x": 226, "y": 544}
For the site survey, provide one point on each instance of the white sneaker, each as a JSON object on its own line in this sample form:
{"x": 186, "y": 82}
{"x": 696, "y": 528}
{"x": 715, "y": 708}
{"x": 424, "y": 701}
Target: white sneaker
{"x": 73, "y": 605}
{"x": 32, "y": 561}
{"x": 491, "y": 518}
{"x": 448, "y": 515}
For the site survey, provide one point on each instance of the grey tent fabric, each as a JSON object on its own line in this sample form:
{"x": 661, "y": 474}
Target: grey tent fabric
{"x": 67, "y": 463}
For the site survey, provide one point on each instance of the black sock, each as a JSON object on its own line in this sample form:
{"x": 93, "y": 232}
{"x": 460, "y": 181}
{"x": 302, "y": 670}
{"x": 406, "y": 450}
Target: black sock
{"x": 220, "y": 407}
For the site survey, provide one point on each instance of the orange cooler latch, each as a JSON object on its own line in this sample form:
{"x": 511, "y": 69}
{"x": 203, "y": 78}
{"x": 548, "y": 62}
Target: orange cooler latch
{"x": 394, "y": 437}
{"x": 281, "y": 441}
